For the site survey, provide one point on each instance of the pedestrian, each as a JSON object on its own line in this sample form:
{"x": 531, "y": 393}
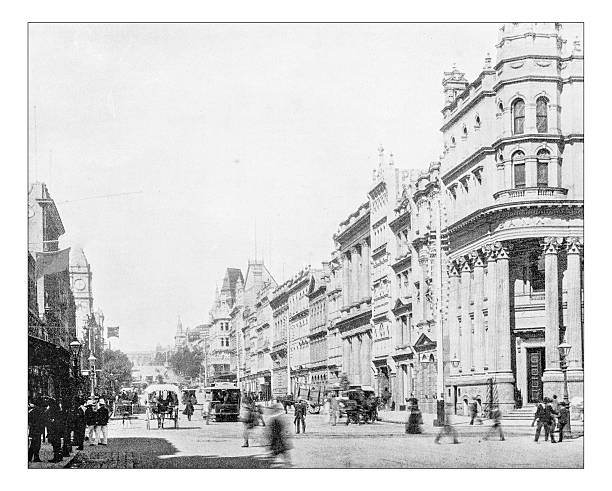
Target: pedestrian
{"x": 102, "y": 417}
{"x": 67, "y": 424}
{"x": 258, "y": 413}
{"x": 386, "y": 396}
{"x": 474, "y": 411}
{"x": 563, "y": 419}
{"x": 555, "y": 406}
{"x": 496, "y": 416}
{"x": 54, "y": 430}
{"x": 300, "y": 416}
{"x": 36, "y": 427}
{"x": 447, "y": 429}
{"x": 334, "y": 410}
{"x": 277, "y": 435}
{"x": 90, "y": 421}
{"x": 79, "y": 425}
{"x": 188, "y": 409}
{"x": 247, "y": 418}
{"x": 415, "y": 420}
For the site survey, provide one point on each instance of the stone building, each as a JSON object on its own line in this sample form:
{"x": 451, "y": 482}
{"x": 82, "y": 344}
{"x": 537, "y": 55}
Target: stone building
{"x": 250, "y": 326}
{"x": 81, "y": 284}
{"x": 334, "y": 304}
{"x": 354, "y": 325}
{"x": 317, "y": 336}
{"x": 222, "y": 358}
{"x": 513, "y": 170}
{"x": 278, "y": 351}
{"x": 416, "y": 274}
{"x": 51, "y": 306}
{"x": 299, "y": 341}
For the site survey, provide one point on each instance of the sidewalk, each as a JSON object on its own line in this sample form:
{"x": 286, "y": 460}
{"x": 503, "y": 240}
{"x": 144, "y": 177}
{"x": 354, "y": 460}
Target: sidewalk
{"x": 401, "y": 417}
{"x": 46, "y": 454}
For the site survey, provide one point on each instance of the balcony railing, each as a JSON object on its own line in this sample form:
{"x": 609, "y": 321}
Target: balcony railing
{"x": 520, "y": 194}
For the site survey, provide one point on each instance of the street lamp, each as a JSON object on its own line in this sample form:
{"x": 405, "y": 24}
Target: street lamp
{"x": 92, "y": 372}
{"x": 564, "y": 349}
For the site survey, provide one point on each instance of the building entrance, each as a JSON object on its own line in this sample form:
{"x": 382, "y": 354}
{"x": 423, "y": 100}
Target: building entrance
{"x": 535, "y": 369}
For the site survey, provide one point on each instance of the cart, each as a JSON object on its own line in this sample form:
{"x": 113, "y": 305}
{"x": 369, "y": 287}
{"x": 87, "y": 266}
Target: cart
{"x": 162, "y": 403}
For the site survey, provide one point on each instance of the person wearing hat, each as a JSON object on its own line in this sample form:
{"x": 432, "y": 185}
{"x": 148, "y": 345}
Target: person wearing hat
{"x": 36, "y": 425}
{"x": 90, "y": 422}
{"x": 563, "y": 419}
{"x": 79, "y": 425}
{"x": 102, "y": 417}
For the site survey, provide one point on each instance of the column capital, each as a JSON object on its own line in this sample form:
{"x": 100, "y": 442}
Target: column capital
{"x": 465, "y": 265}
{"x": 454, "y": 270}
{"x": 353, "y": 249}
{"x": 551, "y": 245}
{"x": 502, "y": 250}
{"x": 489, "y": 253}
{"x": 476, "y": 259}
{"x": 574, "y": 245}
{"x": 364, "y": 243}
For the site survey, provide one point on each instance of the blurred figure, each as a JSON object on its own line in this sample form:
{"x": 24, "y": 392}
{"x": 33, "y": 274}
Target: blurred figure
{"x": 447, "y": 429}
{"x": 188, "y": 409}
{"x": 102, "y": 417}
{"x": 79, "y": 425}
{"x": 67, "y": 425}
{"x": 496, "y": 416}
{"x": 54, "y": 429}
{"x": 278, "y": 436}
{"x": 36, "y": 426}
{"x": 90, "y": 421}
{"x": 247, "y": 418}
{"x": 474, "y": 411}
{"x": 564, "y": 416}
{"x": 300, "y": 416}
{"x": 334, "y": 410}
{"x": 258, "y": 413}
{"x": 415, "y": 420}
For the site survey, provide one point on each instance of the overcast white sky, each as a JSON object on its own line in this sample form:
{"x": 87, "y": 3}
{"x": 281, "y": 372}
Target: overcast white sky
{"x": 219, "y": 126}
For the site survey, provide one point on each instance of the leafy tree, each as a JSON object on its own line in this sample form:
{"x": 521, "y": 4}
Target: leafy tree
{"x": 187, "y": 362}
{"x": 116, "y": 372}
{"x": 344, "y": 381}
{"x": 160, "y": 358}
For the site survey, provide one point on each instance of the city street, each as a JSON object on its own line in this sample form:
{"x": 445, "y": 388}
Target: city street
{"x": 218, "y": 445}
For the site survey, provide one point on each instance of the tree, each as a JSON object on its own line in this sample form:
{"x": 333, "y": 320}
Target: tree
{"x": 187, "y": 362}
{"x": 160, "y": 358}
{"x": 116, "y": 372}
{"x": 344, "y": 381}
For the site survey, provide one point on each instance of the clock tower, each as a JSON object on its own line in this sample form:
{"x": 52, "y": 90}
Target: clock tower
{"x": 80, "y": 283}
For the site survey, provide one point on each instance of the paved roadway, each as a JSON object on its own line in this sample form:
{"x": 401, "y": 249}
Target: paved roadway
{"x": 218, "y": 445}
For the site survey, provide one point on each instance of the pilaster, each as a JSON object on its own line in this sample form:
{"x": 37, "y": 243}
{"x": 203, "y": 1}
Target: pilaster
{"x": 552, "y": 370}
{"x": 573, "y": 333}
{"x": 466, "y": 322}
{"x": 479, "y": 335}
{"x": 503, "y": 310}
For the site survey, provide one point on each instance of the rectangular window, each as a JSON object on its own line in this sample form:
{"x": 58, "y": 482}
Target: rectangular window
{"x": 519, "y": 175}
{"x": 542, "y": 174}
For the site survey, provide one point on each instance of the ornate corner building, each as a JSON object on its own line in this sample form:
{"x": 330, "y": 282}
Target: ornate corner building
{"x": 513, "y": 171}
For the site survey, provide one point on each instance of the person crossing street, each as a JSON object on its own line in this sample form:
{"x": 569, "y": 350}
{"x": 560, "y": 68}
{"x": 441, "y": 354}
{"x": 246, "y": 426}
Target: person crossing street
{"x": 300, "y": 416}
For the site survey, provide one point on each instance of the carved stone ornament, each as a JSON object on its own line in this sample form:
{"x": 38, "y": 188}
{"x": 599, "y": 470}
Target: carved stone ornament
{"x": 551, "y": 245}
{"x": 574, "y": 245}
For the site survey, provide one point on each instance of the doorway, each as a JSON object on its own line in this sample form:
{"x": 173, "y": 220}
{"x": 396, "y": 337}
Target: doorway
{"x": 535, "y": 370}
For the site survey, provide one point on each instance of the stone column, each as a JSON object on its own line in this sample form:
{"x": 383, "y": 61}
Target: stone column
{"x": 503, "y": 310}
{"x": 478, "y": 339}
{"x": 346, "y": 280}
{"x": 455, "y": 342}
{"x": 551, "y": 300}
{"x": 346, "y": 347}
{"x": 357, "y": 352}
{"x": 351, "y": 360}
{"x": 354, "y": 275}
{"x": 366, "y": 377}
{"x": 531, "y": 172}
{"x": 574, "y": 308}
{"x": 490, "y": 334}
{"x": 365, "y": 261}
{"x": 466, "y": 323}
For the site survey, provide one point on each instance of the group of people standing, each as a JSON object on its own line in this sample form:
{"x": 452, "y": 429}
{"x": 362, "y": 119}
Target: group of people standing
{"x": 65, "y": 427}
{"x": 550, "y": 414}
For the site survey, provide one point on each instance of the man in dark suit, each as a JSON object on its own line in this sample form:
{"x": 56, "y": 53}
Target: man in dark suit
{"x": 36, "y": 425}
{"x": 79, "y": 425}
{"x": 539, "y": 418}
{"x": 563, "y": 419}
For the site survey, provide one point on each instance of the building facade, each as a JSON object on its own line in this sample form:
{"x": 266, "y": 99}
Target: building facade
{"x": 317, "y": 338}
{"x": 513, "y": 168}
{"x": 354, "y": 325}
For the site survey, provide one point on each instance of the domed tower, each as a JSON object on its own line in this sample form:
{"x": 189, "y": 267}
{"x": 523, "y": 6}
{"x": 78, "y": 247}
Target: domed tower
{"x": 80, "y": 283}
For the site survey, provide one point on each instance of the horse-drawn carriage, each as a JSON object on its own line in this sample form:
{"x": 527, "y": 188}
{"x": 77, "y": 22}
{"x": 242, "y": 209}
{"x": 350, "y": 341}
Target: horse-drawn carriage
{"x": 162, "y": 403}
{"x": 359, "y": 404}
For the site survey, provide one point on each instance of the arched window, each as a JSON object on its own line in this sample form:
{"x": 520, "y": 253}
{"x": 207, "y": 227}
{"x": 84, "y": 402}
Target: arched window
{"x": 543, "y": 160}
{"x": 518, "y": 117}
{"x": 518, "y": 166}
{"x": 542, "y": 115}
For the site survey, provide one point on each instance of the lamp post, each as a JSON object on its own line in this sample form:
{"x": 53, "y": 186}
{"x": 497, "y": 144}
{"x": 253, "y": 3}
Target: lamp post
{"x": 564, "y": 349}
{"x": 92, "y": 373}
{"x": 455, "y": 362}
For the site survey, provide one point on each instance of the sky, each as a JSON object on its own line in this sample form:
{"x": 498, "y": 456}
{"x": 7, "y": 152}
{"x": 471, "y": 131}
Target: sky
{"x": 174, "y": 151}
